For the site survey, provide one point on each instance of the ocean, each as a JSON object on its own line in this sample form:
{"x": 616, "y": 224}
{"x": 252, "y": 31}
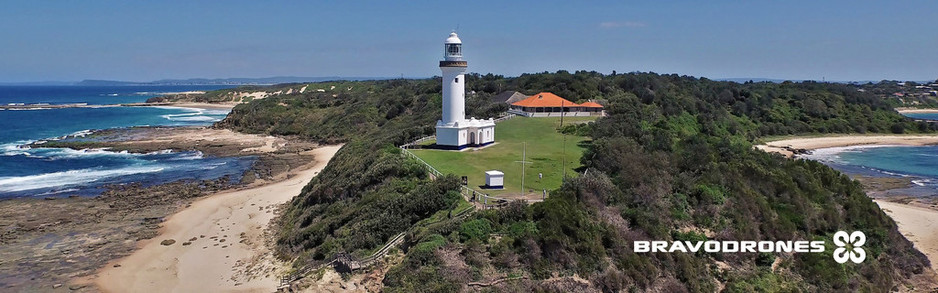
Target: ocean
{"x": 926, "y": 116}
{"x": 45, "y": 172}
{"x": 917, "y": 163}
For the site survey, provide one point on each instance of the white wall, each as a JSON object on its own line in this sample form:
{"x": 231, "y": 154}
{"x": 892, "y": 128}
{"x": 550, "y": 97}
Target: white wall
{"x": 451, "y": 136}
{"x": 494, "y": 180}
{"x": 454, "y": 94}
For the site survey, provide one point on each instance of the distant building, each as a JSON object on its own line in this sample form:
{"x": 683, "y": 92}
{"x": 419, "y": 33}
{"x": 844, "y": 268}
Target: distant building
{"x": 454, "y": 131}
{"x": 547, "y": 104}
{"x": 509, "y": 97}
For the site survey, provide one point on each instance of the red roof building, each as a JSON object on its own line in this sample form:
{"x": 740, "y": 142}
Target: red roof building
{"x": 591, "y": 104}
{"x": 547, "y": 104}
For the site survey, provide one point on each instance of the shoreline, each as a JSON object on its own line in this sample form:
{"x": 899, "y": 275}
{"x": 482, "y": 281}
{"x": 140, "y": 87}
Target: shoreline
{"x": 795, "y": 145}
{"x": 196, "y": 105}
{"x": 54, "y": 243}
{"x": 917, "y": 221}
{"x": 208, "y": 263}
{"x": 905, "y": 110}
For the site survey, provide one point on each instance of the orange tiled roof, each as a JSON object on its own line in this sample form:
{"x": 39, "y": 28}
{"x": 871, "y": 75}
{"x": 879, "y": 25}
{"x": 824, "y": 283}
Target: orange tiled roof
{"x": 545, "y": 99}
{"x": 591, "y": 104}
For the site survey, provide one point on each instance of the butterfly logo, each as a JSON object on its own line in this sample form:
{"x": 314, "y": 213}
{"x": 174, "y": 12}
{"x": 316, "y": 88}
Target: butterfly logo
{"x": 856, "y": 253}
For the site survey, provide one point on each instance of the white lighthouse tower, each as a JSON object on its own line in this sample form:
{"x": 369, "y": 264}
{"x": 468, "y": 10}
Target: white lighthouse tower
{"x": 454, "y": 131}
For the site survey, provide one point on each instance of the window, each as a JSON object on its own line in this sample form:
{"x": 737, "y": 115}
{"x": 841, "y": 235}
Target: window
{"x": 454, "y": 49}
{"x": 457, "y": 80}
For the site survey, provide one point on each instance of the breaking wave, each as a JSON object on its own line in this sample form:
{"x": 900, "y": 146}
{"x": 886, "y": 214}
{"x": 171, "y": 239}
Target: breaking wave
{"x": 198, "y": 115}
{"x": 68, "y": 178}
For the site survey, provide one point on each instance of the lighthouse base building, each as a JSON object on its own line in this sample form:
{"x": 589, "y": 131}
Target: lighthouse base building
{"x": 454, "y": 131}
{"x": 466, "y": 133}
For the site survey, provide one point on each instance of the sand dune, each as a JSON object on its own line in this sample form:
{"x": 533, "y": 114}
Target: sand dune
{"x": 228, "y": 253}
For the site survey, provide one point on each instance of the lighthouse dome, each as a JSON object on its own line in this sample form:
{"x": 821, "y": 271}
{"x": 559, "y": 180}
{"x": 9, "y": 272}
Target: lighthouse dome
{"x": 453, "y": 39}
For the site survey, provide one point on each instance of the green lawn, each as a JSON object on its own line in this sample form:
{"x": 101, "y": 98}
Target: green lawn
{"x": 545, "y": 151}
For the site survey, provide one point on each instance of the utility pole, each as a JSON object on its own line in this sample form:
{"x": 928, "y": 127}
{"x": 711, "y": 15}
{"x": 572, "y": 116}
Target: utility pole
{"x": 562, "y": 113}
{"x": 564, "y": 155}
{"x": 524, "y": 154}
{"x": 523, "y": 161}
{"x": 564, "y": 158}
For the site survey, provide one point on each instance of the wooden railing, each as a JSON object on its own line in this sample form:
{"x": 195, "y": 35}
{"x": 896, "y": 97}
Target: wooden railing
{"x": 430, "y": 168}
{"x": 506, "y": 116}
{"x": 346, "y": 261}
{"x": 418, "y": 141}
{"x": 350, "y": 263}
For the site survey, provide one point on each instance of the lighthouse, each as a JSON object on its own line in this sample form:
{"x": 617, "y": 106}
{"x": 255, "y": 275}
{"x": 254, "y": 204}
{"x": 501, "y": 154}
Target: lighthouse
{"x": 453, "y": 130}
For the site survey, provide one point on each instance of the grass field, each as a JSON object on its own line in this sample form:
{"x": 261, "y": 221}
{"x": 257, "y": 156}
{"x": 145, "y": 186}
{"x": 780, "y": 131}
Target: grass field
{"x": 545, "y": 151}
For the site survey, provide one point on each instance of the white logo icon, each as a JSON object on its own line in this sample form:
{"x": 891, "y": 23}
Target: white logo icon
{"x": 856, "y": 239}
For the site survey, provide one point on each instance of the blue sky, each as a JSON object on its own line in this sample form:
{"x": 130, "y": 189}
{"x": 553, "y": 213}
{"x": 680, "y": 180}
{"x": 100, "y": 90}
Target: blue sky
{"x": 148, "y": 40}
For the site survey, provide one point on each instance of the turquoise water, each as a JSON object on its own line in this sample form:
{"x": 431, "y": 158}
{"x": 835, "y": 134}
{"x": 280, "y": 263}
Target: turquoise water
{"x": 918, "y": 163}
{"x": 28, "y": 172}
{"x": 927, "y": 116}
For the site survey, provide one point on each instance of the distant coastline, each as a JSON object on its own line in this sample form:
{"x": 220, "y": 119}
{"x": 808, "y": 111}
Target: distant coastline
{"x": 907, "y": 110}
{"x": 197, "y": 81}
{"x": 44, "y": 106}
{"x": 791, "y": 146}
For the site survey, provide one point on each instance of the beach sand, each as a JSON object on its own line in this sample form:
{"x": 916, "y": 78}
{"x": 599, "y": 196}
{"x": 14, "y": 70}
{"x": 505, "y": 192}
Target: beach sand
{"x": 918, "y": 224}
{"x": 228, "y": 253}
{"x": 786, "y": 146}
{"x": 916, "y": 110}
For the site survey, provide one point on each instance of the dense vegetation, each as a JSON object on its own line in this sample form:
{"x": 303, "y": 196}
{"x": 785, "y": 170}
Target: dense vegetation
{"x": 673, "y": 160}
{"x": 351, "y": 110}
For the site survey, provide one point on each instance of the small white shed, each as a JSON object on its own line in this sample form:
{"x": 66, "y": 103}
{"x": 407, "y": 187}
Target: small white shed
{"x": 494, "y": 179}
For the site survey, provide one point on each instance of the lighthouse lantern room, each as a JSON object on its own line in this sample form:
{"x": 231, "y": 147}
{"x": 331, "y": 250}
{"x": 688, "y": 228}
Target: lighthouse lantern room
{"x": 454, "y": 131}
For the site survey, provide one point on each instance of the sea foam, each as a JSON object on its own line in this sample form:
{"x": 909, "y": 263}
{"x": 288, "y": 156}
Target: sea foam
{"x": 68, "y": 178}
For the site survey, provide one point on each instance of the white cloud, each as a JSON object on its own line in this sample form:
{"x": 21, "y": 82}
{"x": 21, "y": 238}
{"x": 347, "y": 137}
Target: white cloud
{"x": 618, "y": 24}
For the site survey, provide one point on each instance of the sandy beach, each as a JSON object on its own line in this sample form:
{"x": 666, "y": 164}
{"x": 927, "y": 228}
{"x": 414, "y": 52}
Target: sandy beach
{"x": 215, "y": 245}
{"x": 786, "y": 146}
{"x": 916, "y": 110}
{"x": 918, "y": 224}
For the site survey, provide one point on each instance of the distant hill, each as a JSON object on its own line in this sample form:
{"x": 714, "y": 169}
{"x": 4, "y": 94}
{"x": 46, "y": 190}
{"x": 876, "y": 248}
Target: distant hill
{"x": 225, "y": 81}
{"x": 776, "y": 80}
{"x": 753, "y": 79}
